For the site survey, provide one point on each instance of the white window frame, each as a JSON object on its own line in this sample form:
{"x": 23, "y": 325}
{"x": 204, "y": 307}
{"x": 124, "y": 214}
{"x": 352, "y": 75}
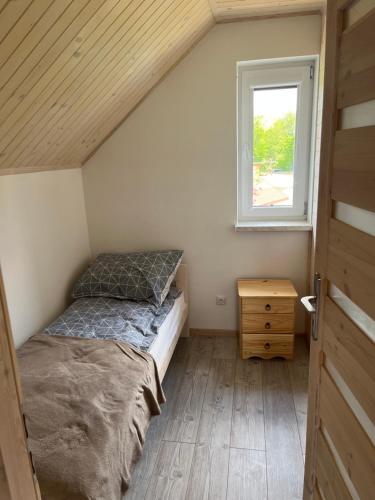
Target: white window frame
{"x": 273, "y": 73}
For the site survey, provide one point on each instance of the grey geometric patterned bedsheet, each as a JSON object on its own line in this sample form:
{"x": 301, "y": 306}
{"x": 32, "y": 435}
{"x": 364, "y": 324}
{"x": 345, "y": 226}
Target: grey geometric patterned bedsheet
{"x": 112, "y": 319}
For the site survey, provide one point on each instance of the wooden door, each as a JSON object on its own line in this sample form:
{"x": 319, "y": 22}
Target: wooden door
{"x": 340, "y": 456}
{"x": 17, "y": 480}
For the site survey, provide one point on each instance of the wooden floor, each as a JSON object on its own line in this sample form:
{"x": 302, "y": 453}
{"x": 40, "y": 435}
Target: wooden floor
{"x": 231, "y": 429}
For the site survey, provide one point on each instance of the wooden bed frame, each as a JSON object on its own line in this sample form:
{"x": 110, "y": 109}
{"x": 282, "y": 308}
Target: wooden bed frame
{"x": 183, "y": 327}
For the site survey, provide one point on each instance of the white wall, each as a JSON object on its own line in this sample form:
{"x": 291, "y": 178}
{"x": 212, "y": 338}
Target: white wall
{"x": 44, "y": 244}
{"x": 167, "y": 177}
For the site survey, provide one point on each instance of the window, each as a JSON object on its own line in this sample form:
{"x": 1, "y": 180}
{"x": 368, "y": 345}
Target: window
{"x": 275, "y": 104}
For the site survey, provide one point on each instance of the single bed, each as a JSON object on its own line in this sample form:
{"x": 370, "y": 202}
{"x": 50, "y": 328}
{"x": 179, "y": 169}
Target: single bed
{"x": 141, "y": 324}
{"x": 88, "y": 403}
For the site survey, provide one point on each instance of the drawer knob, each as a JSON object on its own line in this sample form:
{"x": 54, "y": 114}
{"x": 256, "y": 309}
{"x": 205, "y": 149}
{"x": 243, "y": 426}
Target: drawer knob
{"x": 267, "y": 325}
{"x": 267, "y": 346}
{"x": 267, "y": 307}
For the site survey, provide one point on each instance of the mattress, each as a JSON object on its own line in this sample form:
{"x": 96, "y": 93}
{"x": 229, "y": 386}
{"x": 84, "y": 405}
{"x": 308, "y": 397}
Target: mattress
{"x": 168, "y": 332}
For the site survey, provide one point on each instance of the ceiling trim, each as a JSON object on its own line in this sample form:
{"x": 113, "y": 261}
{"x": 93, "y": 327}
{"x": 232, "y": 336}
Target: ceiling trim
{"x": 313, "y": 12}
{"x": 41, "y": 168}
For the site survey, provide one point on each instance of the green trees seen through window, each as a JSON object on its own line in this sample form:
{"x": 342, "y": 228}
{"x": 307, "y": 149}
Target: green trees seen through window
{"x": 273, "y": 146}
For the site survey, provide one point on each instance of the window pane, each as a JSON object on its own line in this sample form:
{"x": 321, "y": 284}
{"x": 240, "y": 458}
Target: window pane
{"x": 274, "y": 131}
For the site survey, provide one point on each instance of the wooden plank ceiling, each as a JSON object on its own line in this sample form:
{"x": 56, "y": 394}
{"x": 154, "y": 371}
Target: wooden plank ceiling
{"x": 72, "y": 70}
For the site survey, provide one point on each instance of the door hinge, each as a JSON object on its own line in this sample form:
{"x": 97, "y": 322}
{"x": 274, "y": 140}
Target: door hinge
{"x": 311, "y": 72}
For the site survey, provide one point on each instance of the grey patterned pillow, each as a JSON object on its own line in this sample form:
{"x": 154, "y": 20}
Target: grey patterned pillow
{"x": 134, "y": 276}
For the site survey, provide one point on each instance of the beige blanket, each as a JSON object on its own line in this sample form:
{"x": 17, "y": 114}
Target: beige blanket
{"x": 88, "y": 404}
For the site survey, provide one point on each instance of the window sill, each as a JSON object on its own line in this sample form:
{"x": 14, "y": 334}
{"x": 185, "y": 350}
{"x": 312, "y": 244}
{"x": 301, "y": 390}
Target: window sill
{"x": 273, "y": 226}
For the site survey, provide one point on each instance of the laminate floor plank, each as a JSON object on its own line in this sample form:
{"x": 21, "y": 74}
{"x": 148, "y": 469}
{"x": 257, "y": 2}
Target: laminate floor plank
{"x": 247, "y": 475}
{"x": 186, "y": 408}
{"x": 173, "y": 380}
{"x": 216, "y": 417}
{"x": 209, "y": 473}
{"x": 142, "y": 473}
{"x": 170, "y": 477}
{"x": 283, "y": 448}
{"x": 248, "y": 412}
{"x": 225, "y": 347}
{"x": 299, "y": 375}
{"x": 231, "y": 429}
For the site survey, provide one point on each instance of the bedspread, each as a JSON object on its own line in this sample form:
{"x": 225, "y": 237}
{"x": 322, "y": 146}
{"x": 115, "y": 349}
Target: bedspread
{"x": 88, "y": 404}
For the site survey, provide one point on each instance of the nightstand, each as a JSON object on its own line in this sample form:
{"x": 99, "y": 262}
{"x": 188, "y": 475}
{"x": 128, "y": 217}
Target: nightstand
{"x": 267, "y": 318}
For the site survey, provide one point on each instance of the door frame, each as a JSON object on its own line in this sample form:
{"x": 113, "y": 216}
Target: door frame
{"x": 17, "y": 475}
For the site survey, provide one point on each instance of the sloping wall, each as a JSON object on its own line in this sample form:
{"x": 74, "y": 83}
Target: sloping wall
{"x": 44, "y": 244}
{"x": 167, "y": 177}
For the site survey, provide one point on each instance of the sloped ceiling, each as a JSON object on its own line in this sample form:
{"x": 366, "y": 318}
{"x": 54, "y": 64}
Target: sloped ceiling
{"x": 72, "y": 70}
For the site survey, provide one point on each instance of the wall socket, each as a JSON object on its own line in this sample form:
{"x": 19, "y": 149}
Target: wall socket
{"x": 221, "y": 300}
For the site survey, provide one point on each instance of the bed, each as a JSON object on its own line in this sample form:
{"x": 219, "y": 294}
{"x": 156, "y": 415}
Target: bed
{"x": 84, "y": 315}
{"x": 88, "y": 403}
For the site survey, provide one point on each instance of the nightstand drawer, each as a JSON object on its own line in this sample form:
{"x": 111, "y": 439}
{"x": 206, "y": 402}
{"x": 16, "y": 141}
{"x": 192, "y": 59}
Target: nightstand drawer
{"x": 267, "y": 323}
{"x": 267, "y": 346}
{"x": 267, "y": 306}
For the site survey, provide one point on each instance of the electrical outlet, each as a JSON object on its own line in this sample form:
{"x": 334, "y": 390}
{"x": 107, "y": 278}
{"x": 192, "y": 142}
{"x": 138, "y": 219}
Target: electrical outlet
{"x": 221, "y": 300}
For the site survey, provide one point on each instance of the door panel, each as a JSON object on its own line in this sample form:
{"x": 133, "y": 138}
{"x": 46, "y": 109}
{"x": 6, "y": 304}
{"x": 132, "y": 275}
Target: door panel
{"x": 350, "y": 440}
{"x": 331, "y": 483}
{"x": 356, "y": 66}
{"x": 350, "y": 266}
{"x": 351, "y": 352}
{"x": 340, "y": 455}
{"x": 353, "y": 178}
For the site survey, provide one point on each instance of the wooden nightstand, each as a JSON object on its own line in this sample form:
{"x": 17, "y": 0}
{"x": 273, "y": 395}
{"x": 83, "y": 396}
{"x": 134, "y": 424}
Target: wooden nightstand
{"x": 267, "y": 317}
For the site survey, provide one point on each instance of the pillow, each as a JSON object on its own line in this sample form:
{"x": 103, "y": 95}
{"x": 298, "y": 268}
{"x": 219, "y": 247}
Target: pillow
{"x": 134, "y": 276}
